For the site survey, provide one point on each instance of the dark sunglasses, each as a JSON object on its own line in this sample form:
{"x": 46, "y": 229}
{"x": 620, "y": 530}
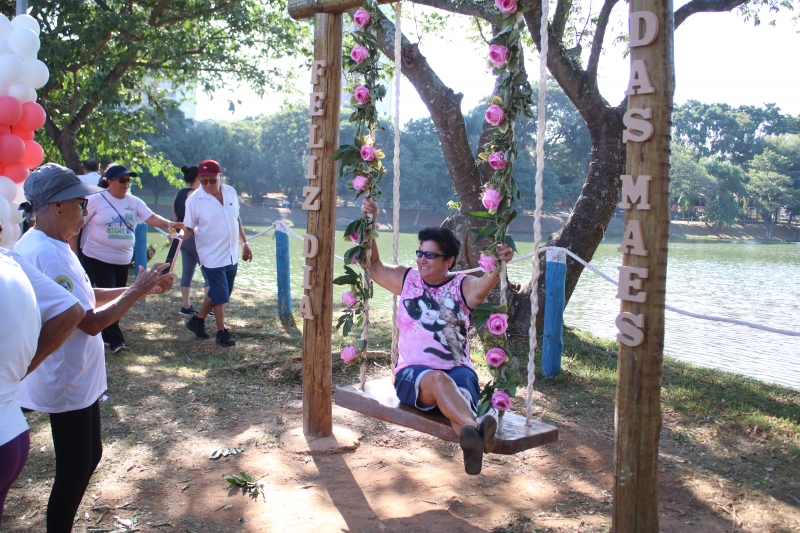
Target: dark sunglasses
{"x": 430, "y": 256}
{"x": 83, "y": 203}
{"x": 126, "y": 179}
{"x": 212, "y": 181}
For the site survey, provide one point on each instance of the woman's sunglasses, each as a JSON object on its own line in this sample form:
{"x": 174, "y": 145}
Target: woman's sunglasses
{"x": 124, "y": 180}
{"x": 83, "y": 203}
{"x": 212, "y": 181}
{"x": 430, "y": 256}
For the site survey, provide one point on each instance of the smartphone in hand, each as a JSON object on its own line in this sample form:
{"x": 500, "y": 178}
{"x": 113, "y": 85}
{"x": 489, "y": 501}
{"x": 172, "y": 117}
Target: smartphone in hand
{"x": 172, "y": 254}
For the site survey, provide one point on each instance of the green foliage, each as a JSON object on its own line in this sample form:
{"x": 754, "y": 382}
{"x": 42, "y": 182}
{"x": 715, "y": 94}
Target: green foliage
{"x": 248, "y": 484}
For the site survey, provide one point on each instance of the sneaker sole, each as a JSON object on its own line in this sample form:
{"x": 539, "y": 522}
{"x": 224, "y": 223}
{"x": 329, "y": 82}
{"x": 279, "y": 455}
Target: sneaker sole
{"x": 487, "y": 429}
{"x": 197, "y": 335}
{"x": 226, "y": 345}
{"x": 472, "y": 446}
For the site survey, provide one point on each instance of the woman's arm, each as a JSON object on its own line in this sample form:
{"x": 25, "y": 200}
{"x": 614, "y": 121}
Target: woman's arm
{"x": 390, "y": 277}
{"x": 54, "y": 332}
{"x": 157, "y": 221}
{"x": 477, "y": 289}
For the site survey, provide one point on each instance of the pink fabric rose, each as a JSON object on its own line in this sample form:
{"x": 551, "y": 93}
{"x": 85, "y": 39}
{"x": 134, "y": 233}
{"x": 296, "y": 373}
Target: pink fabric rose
{"x": 350, "y": 353}
{"x": 506, "y": 6}
{"x": 360, "y": 183}
{"x": 491, "y": 200}
{"x": 349, "y": 299}
{"x": 368, "y": 153}
{"x": 487, "y": 263}
{"x": 354, "y": 238}
{"x": 498, "y": 54}
{"x": 495, "y": 115}
{"x": 497, "y": 323}
{"x": 361, "y": 94}
{"x": 500, "y": 399}
{"x": 497, "y": 160}
{"x": 495, "y": 357}
{"x": 359, "y": 54}
{"x": 362, "y": 16}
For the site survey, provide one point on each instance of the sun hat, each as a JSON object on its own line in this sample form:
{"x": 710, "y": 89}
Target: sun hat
{"x": 52, "y": 183}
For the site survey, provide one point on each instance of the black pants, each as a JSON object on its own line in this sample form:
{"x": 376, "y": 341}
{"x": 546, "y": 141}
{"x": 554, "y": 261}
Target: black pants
{"x": 78, "y": 447}
{"x": 107, "y": 276}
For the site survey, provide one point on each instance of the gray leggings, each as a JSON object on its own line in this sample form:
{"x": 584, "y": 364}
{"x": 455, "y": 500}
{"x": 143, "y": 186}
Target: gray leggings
{"x": 189, "y": 260}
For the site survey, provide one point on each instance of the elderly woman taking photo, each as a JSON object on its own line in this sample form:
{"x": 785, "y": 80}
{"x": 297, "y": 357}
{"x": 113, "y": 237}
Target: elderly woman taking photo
{"x": 108, "y": 238}
{"x": 68, "y": 384}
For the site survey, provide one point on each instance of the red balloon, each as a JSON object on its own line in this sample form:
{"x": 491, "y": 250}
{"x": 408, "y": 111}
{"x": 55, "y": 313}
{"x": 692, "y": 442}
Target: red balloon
{"x": 12, "y": 148}
{"x": 34, "y": 155}
{"x": 17, "y": 172}
{"x": 25, "y": 135}
{"x": 10, "y": 110}
{"x": 4, "y": 129}
{"x": 33, "y": 116}
{"x": 2, "y": 167}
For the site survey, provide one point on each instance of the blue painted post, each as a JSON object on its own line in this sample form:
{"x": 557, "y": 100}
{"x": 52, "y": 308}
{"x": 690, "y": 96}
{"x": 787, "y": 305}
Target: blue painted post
{"x": 553, "y": 344}
{"x": 284, "y": 281}
{"x": 140, "y": 247}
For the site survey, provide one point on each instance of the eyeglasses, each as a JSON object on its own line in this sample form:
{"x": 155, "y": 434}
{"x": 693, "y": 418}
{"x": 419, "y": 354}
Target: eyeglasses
{"x": 124, "y": 180}
{"x": 212, "y": 181}
{"x": 83, "y": 203}
{"x": 430, "y": 256}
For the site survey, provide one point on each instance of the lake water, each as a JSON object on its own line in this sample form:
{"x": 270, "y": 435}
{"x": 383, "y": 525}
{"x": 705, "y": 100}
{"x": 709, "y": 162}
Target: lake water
{"x": 753, "y": 282}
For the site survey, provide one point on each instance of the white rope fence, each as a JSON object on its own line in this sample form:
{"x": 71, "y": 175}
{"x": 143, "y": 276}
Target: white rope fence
{"x": 281, "y": 225}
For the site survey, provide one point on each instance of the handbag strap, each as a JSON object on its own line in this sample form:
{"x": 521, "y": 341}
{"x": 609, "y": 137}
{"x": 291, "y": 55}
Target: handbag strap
{"x": 103, "y": 194}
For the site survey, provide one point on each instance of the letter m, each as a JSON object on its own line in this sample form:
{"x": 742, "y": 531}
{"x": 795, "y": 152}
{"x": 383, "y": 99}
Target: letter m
{"x": 635, "y": 191}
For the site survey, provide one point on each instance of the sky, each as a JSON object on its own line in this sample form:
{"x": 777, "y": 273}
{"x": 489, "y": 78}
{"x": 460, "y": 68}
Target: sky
{"x": 719, "y": 57}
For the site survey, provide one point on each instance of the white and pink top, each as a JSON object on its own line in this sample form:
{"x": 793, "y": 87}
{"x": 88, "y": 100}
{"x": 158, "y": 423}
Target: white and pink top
{"x": 433, "y": 321}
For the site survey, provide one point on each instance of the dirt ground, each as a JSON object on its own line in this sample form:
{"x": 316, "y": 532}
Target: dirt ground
{"x": 171, "y": 404}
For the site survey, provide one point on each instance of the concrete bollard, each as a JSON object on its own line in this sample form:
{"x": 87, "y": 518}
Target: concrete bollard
{"x": 553, "y": 343}
{"x": 140, "y": 247}
{"x": 284, "y": 281}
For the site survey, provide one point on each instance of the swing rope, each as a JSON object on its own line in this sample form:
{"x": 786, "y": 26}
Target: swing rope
{"x": 398, "y": 41}
{"x": 537, "y": 218}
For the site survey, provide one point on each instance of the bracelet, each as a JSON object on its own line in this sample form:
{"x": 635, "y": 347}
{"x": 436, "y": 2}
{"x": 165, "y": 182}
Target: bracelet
{"x": 244, "y": 244}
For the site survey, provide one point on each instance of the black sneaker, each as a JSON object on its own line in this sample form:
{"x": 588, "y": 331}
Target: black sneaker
{"x": 472, "y": 446}
{"x": 119, "y": 348}
{"x": 187, "y": 311}
{"x": 224, "y": 338}
{"x": 198, "y": 327}
{"x": 211, "y": 313}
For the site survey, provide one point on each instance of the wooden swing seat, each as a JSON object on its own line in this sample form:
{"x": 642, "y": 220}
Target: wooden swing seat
{"x": 379, "y": 401}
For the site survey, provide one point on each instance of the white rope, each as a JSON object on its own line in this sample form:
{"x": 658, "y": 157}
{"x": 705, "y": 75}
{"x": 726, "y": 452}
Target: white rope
{"x": 398, "y": 64}
{"x": 537, "y": 219}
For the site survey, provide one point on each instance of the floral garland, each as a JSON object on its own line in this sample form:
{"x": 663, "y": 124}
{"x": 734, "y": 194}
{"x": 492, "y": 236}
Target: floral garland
{"x": 514, "y": 96}
{"x": 360, "y": 163}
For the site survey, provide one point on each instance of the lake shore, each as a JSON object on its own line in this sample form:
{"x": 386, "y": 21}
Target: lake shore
{"x": 728, "y": 457}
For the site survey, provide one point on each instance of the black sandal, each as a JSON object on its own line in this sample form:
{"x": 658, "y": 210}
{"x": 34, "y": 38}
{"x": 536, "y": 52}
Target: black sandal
{"x": 487, "y": 429}
{"x": 472, "y": 446}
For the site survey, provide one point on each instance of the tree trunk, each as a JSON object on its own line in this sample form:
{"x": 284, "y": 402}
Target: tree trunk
{"x": 66, "y": 142}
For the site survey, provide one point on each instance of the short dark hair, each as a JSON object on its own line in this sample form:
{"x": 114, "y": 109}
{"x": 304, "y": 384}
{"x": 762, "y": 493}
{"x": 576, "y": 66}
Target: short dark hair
{"x": 444, "y": 237}
{"x": 91, "y": 165}
{"x": 189, "y": 174}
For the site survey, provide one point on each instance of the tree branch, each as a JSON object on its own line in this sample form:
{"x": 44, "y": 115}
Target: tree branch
{"x": 599, "y": 36}
{"x": 460, "y": 8}
{"x": 157, "y": 11}
{"x": 705, "y": 6}
{"x": 197, "y": 15}
{"x": 103, "y": 5}
{"x": 560, "y": 18}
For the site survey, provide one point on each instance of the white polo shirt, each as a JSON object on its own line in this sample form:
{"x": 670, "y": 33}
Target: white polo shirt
{"x": 30, "y": 299}
{"x": 216, "y": 226}
{"x": 74, "y": 376}
{"x": 107, "y": 234}
{"x": 91, "y": 178}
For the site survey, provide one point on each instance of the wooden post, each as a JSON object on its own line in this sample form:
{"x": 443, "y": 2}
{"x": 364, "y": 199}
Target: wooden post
{"x": 316, "y": 306}
{"x": 642, "y": 276}
{"x": 283, "y": 264}
{"x": 553, "y": 337}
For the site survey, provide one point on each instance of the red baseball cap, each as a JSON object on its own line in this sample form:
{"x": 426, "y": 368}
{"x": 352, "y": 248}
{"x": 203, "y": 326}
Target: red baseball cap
{"x": 209, "y": 167}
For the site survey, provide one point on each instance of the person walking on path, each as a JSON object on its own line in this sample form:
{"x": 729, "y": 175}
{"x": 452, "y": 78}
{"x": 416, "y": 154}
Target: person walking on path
{"x": 189, "y": 257}
{"x": 108, "y": 238}
{"x": 212, "y": 216}
{"x": 91, "y": 174}
{"x": 68, "y": 384}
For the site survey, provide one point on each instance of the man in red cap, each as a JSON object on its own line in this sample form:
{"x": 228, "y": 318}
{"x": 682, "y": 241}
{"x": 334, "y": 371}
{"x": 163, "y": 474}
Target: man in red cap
{"x": 212, "y": 214}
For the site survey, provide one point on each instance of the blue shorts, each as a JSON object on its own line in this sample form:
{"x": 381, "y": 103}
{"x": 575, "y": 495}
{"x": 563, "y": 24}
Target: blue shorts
{"x": 406, "y": 384}
{"x": 220, "y": 282}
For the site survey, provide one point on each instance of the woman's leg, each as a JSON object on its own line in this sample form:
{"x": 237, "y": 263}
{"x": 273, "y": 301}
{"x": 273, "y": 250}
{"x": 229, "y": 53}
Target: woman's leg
{"x": 79, "y": 448}
{"x": 13, "y": 455}
{"x": 439, "y": 389}
{"x": 189, "y": 266}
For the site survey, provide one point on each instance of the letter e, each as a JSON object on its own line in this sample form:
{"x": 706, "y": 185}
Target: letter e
{"x": 628, "y": 283}
{"x": 316, "y": 108}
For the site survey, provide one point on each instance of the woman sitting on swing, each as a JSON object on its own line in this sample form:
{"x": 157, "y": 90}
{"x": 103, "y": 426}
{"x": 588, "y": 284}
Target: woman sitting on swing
{"x": 434, "y": 367}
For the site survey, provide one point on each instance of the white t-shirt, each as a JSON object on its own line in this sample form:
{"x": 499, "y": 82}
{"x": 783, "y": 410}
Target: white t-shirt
{"x": 74, "y": 376}
{"x": 107, "y": 234}
{"x": 216, "y": 226}
{"x": 29, "y": 300}
{"x": 92, "y": 178}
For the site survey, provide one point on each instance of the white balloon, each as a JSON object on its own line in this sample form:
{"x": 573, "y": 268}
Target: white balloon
{"x": 26, "y": 21}
{"x": 5, "y": 27}
{"x": 17, "y": 234}
{"x": 10, "y": 68}
{"x": 5, "y": 48}
{"x": 24, "y": 42}
{"x": 16, "y": 215}
{"x": 3, "y": 89}
{"x": 22, "y": 92}
{"x": 7, "y": 239}
{"x": 20, "y": 197}
{"x": 8, "y": 189}
{"x": 5, "y": 209}
{"x": 35, "y": 73}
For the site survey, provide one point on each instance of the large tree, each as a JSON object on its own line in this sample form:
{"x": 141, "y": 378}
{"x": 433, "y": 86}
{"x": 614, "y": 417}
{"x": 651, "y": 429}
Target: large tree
{"x": 595, "y": 206}
{"x": 114, "y": 64}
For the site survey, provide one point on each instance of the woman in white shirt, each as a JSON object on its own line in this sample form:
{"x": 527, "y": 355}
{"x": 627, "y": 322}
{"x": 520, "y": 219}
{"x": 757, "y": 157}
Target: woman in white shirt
{"x": 108, "y": 238}
{"x": 69, "y": 383}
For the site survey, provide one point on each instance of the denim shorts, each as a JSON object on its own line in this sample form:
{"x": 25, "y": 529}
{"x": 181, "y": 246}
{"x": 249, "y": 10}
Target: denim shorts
{"x": 406, "y": 384}
{"x": 220, "y": 282}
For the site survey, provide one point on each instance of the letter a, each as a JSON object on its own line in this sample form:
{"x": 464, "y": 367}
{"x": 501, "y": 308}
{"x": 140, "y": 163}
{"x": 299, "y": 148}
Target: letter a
{"x": 305, "y": 308}
{"x": 632, "y": 242}
{"x": 640, "y": 79}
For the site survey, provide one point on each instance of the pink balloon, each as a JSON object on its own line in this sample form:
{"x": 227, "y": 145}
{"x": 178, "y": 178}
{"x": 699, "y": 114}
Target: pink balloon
{"x": 33, "y": 116}
{"x": 17, "y": 172}
{"x": 12, "y": 148}
{"x": 10, "y": 110}
{"x": 2, "y": 169}
{"x": 34, "y": 154}
{"x": 25, "y": 135}
{"x": 4, "y": 129}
